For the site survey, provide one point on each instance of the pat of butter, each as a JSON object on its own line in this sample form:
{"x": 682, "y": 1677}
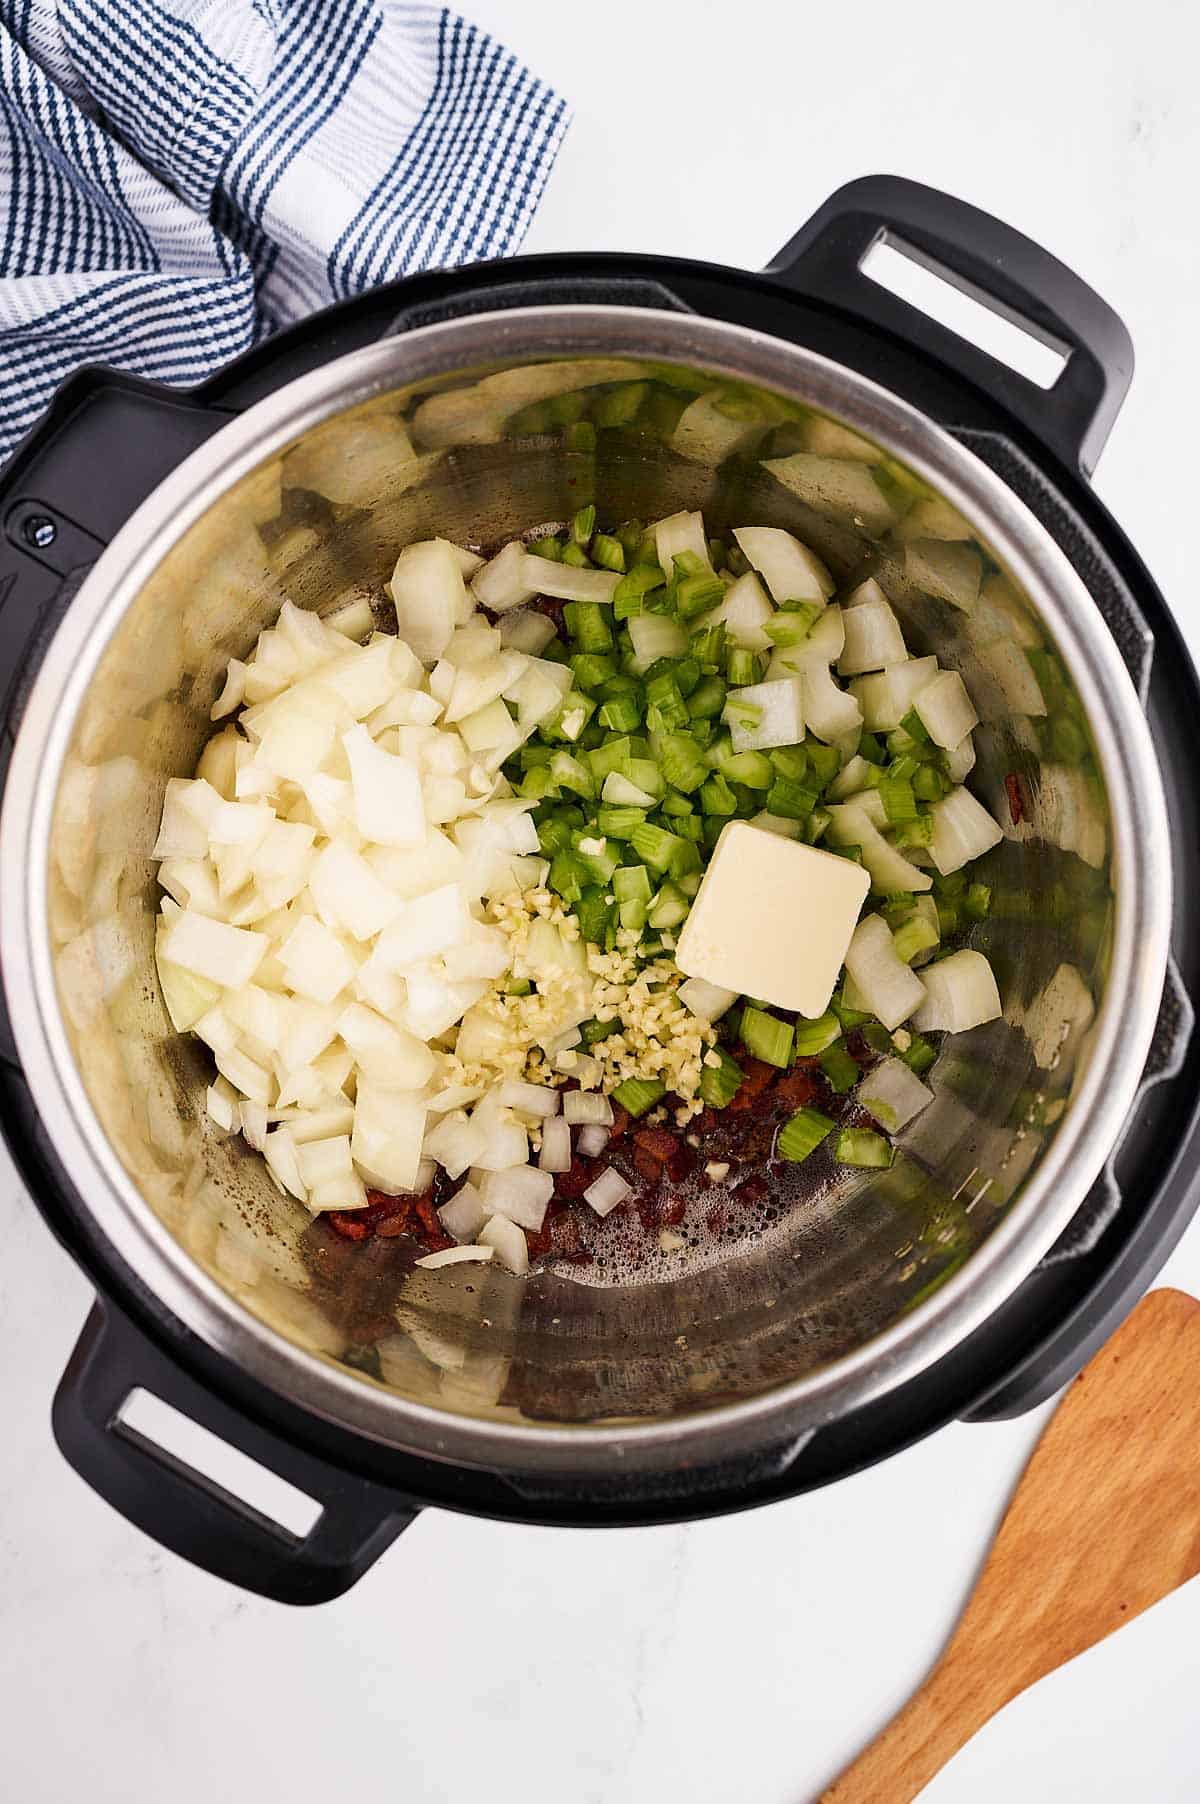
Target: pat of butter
{"x": 773, "y": 919}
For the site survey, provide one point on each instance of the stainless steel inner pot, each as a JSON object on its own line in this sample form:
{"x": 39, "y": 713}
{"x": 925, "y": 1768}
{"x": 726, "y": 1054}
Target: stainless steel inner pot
{"x": 821, "y": 1300}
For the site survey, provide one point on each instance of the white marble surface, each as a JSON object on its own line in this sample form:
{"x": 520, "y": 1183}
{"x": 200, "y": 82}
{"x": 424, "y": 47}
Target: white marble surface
{"x": 743, "y": 1658}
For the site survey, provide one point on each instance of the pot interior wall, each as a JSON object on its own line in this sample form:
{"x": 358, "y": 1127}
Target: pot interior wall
{"x": 766, "y": 1293}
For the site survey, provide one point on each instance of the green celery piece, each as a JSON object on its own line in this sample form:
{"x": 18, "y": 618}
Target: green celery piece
{"x": 901, "y": 768}
{"x": 530, "y": 755}
{"x": 978, "y": 902}
{"x": 593, "y": 1031}
{"x": 766, "y": 1037}
{"x": 570, "y": 773}
{"x": 860, "y": 1147}
{"x": 669, "y": 908}
{"x": 708, "y": 645}
{"x": 720, "y": 751}
{"x": 878, "y": 1039}
{"x": 812, "y": 1037}
{"x": 550, "y": 548}
{"x": 599, "y": 866}
{"x": 914, "y": 833}
{"x": 646, "y": 774}
{"x": 743, "y": 668}
{"x": 584, "y": 524}
{"x": 716, "y": 797}
{"x": 631, "y": 883}
{"x": 824, "y": 761}
{"x": 653, "y": 845}
{"x": 690, "y": 885}
{"x": 690, "y": 827}
{"x": 919, "y": 1055}
{"x": 608, "y": 553}
{"x": 743, "y": 714}
{"x": 568, "y": 876}
{"x": 815, "y": 826}
{"x": 684, "y": 857}
{"x": 687, "y": 674}
{"x": 576, "y": 556}
{"x": 614, "y": 754}
{"x": 587, "y": 623}
{"x": 682, "y": 764}
{"x": 618, "y": 820}
{"x": 554, "y": 836}
{"x": 913, "y": 936}
{"x": 674, "y": 803}
{"x": 870, "y": 749}
{"x": 901, "y": 744}
{"x": 621, "y": 714}
{"x": 695, "y": 592}
{"x": 792, "y": 625}
{"x": 537, "y": 783}
{"x": 791, "y": 761}
{"x": 790, "y": 800}
{"x": 849, "y": 1017}
{"x": 719, "y": 1084}
{"x": 947, "y": 914}
{"x": 630, "y": 593}
{"x": 802, "y": 1135}
{"x": 591, "y": 668}
{"x": 915, "y": 727}
{"x": 591, "y": 911}
{"x": 751, "y": 768}
{"x": 707, "y": 698}
{"x": 518, "y": 986}
{"x": 637, "y": 1094}
{"x": 930, "y": 784}
{"x": 841, "y": 1072}
{"x": 569, "y": 718}
{"x": 899, "y": 802}
{"x": 711, "y": 828}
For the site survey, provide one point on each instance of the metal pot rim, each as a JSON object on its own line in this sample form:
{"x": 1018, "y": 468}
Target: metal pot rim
{"x": 1124, "y": 1024}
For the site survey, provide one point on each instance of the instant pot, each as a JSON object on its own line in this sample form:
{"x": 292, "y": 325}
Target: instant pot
{"x": 148, "y": 536}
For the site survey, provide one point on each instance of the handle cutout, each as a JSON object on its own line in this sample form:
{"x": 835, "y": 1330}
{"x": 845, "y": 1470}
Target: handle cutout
{"x": 914, "y": 277}
{"x": 164, "y": 1432}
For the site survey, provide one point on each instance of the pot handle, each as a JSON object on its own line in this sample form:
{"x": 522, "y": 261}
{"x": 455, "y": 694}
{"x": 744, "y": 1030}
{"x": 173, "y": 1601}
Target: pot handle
{"x": 994, "y": 264}
{"x": 181, "y": 1508}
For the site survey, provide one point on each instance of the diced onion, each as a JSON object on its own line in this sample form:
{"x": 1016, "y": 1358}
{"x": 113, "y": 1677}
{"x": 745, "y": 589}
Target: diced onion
{"x": 763, "y": 715}
{"x": 707, "y": 1001}
{"x": 891, "y": 990}
{"x": 509, "y": 1243}
{"x": 962, "y": 830}
{"x": 522, "y": 1193}
{"x": 593, "y": 1139}
{"x": 556, "y": 1145}
{"x": 873, "y": 636}
{"x": 790, "y": 570}
{"x": 744, "y": 611}
{"x": 564, "y": 583}
{"x": 580, "y": 1106}
{"x": 960, "y": 993}
{"x": 607, "y": 1192}
{"x": 432, "y": 1262}
{"x": 502, "y": 584}
{"x": 464, "y": 1215}
{"x": 678, "y": 534}
{"x": 946, "y": 710}
{"x": 886, "y": 697}
{"x": 536, "y": 1100}
{"x": 893, "y": 1094}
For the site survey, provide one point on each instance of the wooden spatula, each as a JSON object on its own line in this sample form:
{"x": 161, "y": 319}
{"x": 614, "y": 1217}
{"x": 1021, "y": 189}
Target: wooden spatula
{"x": 1105, "y": 1521}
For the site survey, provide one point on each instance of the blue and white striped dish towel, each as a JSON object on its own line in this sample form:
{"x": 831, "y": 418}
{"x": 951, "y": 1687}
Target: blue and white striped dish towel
{"x": 180, "y": 177}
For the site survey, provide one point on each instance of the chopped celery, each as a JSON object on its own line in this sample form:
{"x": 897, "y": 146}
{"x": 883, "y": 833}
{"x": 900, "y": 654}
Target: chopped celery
{"x": 812, "y": 1037}
{"x": 620, "y": 714}
{"x": 792, "y": 626}
{"x": 518, "y": 986}
{"x": 930, "y": 784}
{"x": 684, "y": 857}
{"x": 653, "y": 845}
{"x": 915, "y": 727}
{"x": 790, "y": 800}
{"x": 815, "y": 825}
{"x": 656, "y": 636}
{"x": 841, "y": 1072}
{"x": 669, "y": 907}
{"x": 790, "y": 761}
{"x": 859, "y": 1146}
{"x": 707, "y": 698}
{"x": 742, "y": 668}
{"x": 676, "y": 803}
{"x": 802, "y": 1135}
{"x": 766, "y": 1037}
{"x": 695, "y": 591}
{"x": 690, "y": 827}
{"x": 824, "y": 761}
{"x": 899, "y": 802}
{"x": 719, "y": 1084}
{"x": 576, "y": 556}
{"x": 549, "y": 548}
{"x": 916, "y": 934}
{"x": 536, "y": 784}
{"x": 751, "y": 768}
{"x": 708, "y": 645}
{"x": 870, "y": 749}
{"x": 619, "y": 819}
{"x": 716, "y": 797}
{"x": 646, "y": 774}
{"x": 591, "y": 911}
{"x": 919, "y": 1054}
{"x": 568, "y": 876}
{"x": 631, "y": 591}
{"x": 745, "y": 716}
{"x": 587, "y": 622}
{"x": 597, "y": 857}
{"x": 608, "y": 553}
{"x": 569, "y": 773}
{"x": 687, "y": 674}
{"x": 618, "y": 407}
{"x": 631, "y": 883}
{"x": 614, "y": 754}
{"x": 570, "y": 717}
{"x": 637, "y": 1094}
{"x": 584, "y": 524}
{"x": 682, "y": 764}
{"x": 591, "y": 668}
{"x": 978, "y": 901}
{"x": 591, "y": 1032}
{"x": 918, "y": 832}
